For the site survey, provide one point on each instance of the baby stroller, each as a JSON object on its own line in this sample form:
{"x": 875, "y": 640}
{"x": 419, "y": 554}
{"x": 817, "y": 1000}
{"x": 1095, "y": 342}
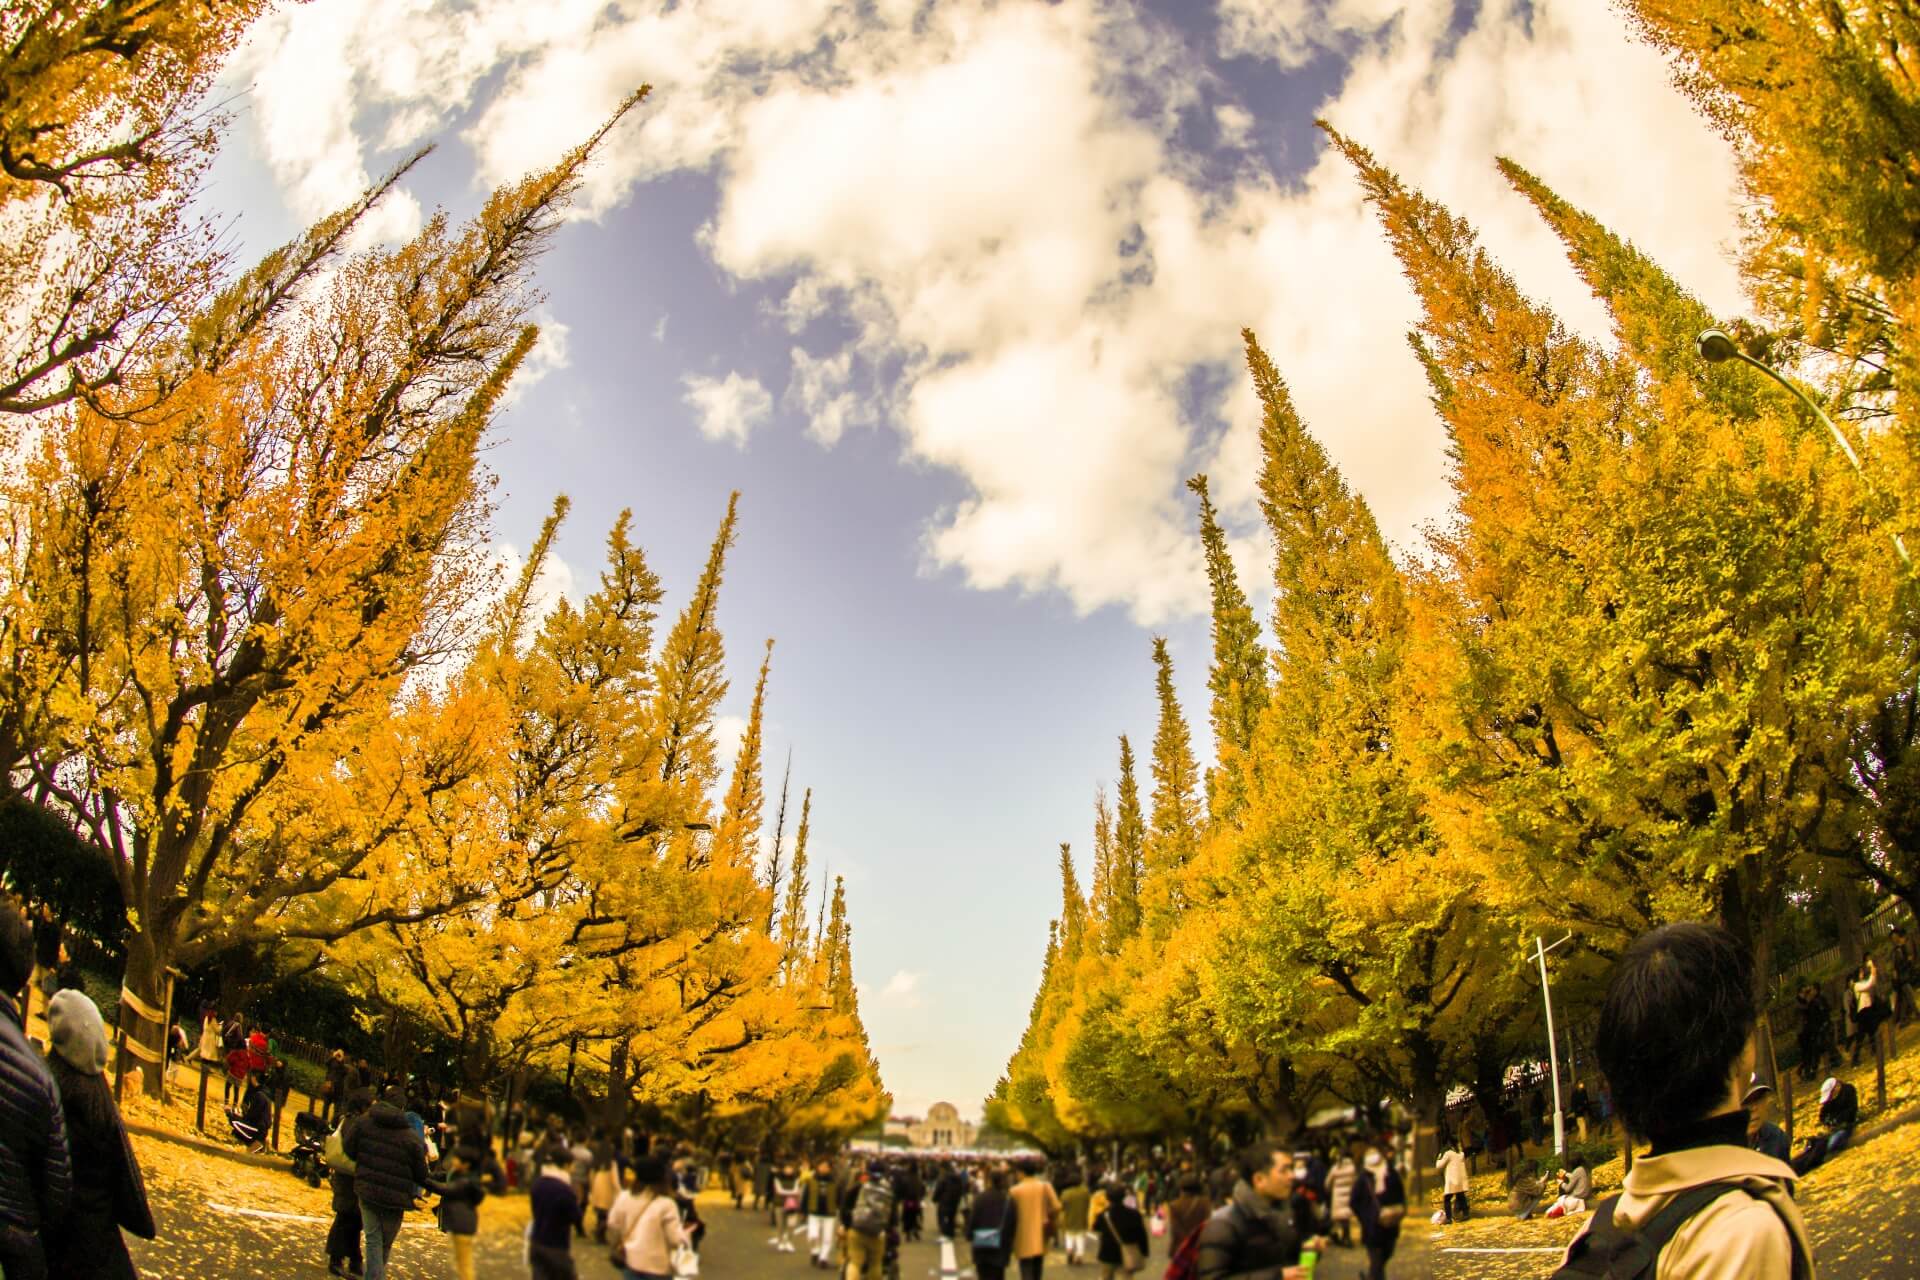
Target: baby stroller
{"x": 309, "y": 1148}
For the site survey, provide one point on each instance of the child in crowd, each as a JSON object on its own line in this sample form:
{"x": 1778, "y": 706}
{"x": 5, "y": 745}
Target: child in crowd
{"x": 460, "y": 1196}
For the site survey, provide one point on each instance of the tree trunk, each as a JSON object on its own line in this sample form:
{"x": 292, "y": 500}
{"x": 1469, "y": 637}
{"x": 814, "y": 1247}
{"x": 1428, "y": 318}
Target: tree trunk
{"x": 1846, "y": 911}
{"x": 619, "y": 1087}
{"x": 476, "y": 1058}
{"x": 141, "y": 1037}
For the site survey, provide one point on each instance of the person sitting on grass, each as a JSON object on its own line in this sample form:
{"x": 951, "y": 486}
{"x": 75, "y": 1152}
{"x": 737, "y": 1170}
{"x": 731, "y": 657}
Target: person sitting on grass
{"x": 1764, "y": 1135}
{"x": 1576, "y": 1184}
{"x": 1839, "y": 1114}
{"x": 1528, "y": 1190}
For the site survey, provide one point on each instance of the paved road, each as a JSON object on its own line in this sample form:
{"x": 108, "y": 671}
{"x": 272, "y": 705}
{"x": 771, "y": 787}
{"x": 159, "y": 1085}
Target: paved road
{"x": 200, "y": 1242}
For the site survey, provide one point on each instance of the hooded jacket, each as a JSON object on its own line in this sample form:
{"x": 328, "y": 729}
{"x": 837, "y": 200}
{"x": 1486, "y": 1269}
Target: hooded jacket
{"x": 35, "y": 1178}
{"x": 1749, "y": 1234}
{"x": 388, "y": 1157}
{"x": 1250, "y": 1237}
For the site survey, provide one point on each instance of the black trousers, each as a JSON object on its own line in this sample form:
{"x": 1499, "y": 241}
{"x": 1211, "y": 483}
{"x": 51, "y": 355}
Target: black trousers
{"x": 1030, "y": 1267}
{"x": 343, "y": 1238}
{"x": 1379, "y": 1249}
{"x": 23, "y": 1260}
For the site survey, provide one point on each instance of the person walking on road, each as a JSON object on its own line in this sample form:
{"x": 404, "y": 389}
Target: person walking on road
{"x": 343, "y": 1236}
{"x": 868, "y": 1212}
{"x": 990, "y": 1228}
{"x": 557, "y": 1213}
{"x": 1675, "y": 1042}
{"x": 645, "y": 1223}
{"x": 108, "y": 1193}
{"x": 389, "y": 1162}
{"x": 1124, "y": 1244}
{"x": 1379, "y": 1205}
{"x": 1188, "y": 1211}
{"x": 1036, "y": 1208}
{"x": 1340, "y": 1183}
{"x": 786, "y": 1203}
{"x": 1076, "y": 1204}
{"x": 816, "y": 1201}
{"x": 1263, "y": 1229}
{"x": 948, "y": 1194}
{"x": 459, "y": 1213}
{"x": 35, "y": 1177}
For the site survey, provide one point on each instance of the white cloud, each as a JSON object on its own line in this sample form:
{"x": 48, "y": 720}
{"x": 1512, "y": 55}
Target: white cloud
{"x": 1292, "y": 31}
{"x": 1235, "y": 124}
{"x": 902, "y": 989}
{"x": 728, "y": 733}
{"x": 555, "y": 581}
{"x": 727, "y": 408}
{"x": 1040, "y": 272}
{"x": 549, "y": 355}
{"x": 660, "y": 328}
{"x": 822, "y": 389}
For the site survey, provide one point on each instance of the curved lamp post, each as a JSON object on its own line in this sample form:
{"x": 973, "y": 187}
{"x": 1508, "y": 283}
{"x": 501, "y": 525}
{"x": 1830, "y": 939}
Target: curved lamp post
{"x": 1715, "y": 347}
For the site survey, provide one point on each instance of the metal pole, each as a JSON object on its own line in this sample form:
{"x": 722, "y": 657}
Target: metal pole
{"x": 1553, "y": 1045}
{"x": 1716, "y": 347}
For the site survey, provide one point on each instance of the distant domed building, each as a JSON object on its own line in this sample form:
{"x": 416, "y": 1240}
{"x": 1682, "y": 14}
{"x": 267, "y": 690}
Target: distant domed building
{"x": 943, "y": 1129}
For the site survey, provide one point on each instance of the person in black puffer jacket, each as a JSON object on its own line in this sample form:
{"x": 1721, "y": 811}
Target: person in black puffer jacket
{"x": 108, "y": 1193}
{"x": 1260, "y": 1232}
{"x": 35, "y": 1178}
{"x": 390, "y": 1161}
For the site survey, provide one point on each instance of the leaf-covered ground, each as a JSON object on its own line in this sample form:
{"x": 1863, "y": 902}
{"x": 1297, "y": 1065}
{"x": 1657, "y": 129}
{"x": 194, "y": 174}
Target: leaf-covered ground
{"x": 1860, "y": 1208}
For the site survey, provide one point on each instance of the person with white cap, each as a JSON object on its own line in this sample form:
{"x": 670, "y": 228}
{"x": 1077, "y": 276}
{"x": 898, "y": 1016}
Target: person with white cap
{"x": 108, "y": 1193}
{"x": 1763, "y": 1135}
{"x": 1839, "y": 1113}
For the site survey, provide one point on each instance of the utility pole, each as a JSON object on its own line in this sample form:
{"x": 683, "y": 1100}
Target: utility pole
{"x": 1540, "y": 950}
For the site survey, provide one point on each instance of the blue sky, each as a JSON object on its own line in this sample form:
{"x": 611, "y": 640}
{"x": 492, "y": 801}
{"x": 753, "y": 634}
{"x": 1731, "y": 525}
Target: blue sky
{"x": 952, "y": 293}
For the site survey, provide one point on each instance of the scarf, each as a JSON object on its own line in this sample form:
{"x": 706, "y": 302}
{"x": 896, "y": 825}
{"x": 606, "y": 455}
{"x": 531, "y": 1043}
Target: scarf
{"x": 1377, "y": 1166}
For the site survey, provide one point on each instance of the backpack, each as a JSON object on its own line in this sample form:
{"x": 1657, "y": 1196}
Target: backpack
{"x": 873, "y": 1209}
{"x": 1184, "y": 1263}
{"x": 1617, "y": 1253}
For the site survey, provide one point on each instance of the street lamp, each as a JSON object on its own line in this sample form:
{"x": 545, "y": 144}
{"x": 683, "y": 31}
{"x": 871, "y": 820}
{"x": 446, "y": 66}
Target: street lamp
{"x": 1715, "y": 347}
{"x": 1540, "y": 950}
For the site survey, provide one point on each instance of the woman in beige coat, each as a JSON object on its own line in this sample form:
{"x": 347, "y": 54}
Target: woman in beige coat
{"x": 646, "y": 1222}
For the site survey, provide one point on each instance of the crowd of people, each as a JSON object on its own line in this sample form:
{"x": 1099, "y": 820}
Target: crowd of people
{"x": 1674, "y": 1045}
{"x": 618, "y": 1188}
{"x": 1262, "y": 1211}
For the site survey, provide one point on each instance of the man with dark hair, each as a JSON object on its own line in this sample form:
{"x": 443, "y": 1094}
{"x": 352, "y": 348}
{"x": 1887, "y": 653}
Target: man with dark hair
{"x": 35, "y": 1177}
{"x": 1261, "y": 1231}
{"x": 868, "y": 1211}
{"x": 1675, "y": 1042}
{"x": 556, "y": 1213}
{"x": 1036, "y": 1219}
{"x": 390, "y": 1161}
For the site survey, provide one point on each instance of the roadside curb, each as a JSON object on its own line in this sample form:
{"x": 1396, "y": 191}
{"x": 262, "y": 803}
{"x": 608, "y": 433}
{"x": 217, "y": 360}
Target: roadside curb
{"x": 277, "y": 1163}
